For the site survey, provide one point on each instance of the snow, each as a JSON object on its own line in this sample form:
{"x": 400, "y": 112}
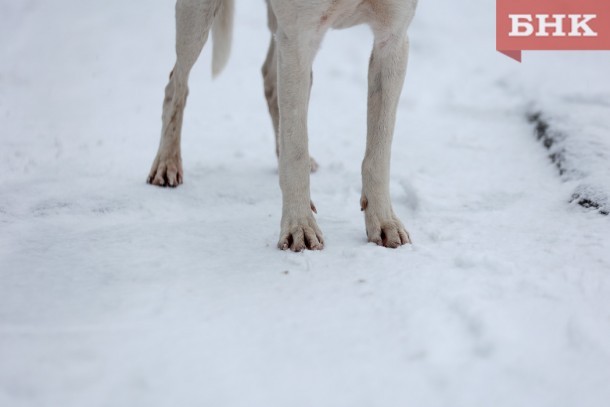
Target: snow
{"x": 115, "y": 293}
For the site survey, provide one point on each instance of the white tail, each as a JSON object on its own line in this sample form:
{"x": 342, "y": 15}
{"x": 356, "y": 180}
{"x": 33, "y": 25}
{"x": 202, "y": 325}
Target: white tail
{"x": 222, "y": 36}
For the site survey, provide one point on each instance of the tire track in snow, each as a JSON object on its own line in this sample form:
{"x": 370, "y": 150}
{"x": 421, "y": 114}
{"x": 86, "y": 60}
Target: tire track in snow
{"x": 585, "y": 194}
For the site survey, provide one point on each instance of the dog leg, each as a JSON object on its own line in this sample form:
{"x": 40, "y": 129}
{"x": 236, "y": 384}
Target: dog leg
{"x": 269, "y": 72}
{"x": 194, "y": 19}
{"x": 386, "y": 77}
{"x": 296, "y": 51}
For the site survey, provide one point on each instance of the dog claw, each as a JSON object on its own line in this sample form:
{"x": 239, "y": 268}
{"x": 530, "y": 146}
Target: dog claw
{"x": 313, "y": 165}
{"x": 313, "y": 207}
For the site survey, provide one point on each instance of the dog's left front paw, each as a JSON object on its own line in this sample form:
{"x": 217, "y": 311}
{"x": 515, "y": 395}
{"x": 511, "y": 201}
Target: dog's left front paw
{"x": 390, "y": 233}
{"x": 387, "y": 231}
{"x": 166, "y": 171}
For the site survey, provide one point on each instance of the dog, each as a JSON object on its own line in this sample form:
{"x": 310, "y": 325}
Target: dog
{"x": 297, "y": 29}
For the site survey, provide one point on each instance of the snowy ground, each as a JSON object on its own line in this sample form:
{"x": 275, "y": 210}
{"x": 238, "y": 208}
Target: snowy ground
{"x": 115, "y": 293}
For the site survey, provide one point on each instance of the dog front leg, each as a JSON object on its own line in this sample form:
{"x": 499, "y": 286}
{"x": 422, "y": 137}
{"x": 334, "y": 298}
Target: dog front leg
{"x": 296, "y": 52}
{"x": 386, "y": 77}
{"x": 269, "y": 72}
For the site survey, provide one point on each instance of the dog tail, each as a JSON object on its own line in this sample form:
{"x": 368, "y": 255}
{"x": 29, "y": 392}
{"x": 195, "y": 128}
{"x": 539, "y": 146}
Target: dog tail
{"x": 222, "y": 36}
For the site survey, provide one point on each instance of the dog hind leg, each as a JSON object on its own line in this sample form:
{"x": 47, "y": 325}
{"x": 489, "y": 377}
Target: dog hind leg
{"x": 194, "y": 19}
{"x": 269, "y": 72}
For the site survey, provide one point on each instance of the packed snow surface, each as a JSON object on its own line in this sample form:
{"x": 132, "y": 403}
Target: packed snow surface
{"x": 117, "y": 293}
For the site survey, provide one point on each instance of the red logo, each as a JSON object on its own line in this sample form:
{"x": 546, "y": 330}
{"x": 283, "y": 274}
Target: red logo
{"x": 551, "y": 25}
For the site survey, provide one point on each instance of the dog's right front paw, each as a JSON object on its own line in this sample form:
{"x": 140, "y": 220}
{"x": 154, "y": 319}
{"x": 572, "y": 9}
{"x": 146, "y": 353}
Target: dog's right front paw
{"x": 166, "y": 172}
{"x": 300, "y": 235}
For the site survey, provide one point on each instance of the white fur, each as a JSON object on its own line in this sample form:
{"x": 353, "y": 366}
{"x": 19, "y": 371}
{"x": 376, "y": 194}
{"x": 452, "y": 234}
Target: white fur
{"x": 298, "y": 27}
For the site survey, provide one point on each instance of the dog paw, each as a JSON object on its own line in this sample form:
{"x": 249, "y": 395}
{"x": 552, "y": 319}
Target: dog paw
{"x": 301, "y": 234}
{"x": 386, "y": 232}
{"x": 166, "y": 172}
